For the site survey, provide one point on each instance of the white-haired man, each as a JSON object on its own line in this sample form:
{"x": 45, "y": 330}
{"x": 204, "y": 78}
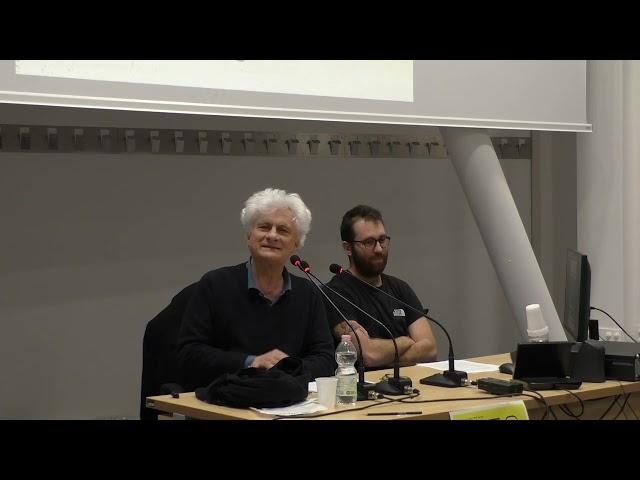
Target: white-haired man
{"x": 255, "y": 313}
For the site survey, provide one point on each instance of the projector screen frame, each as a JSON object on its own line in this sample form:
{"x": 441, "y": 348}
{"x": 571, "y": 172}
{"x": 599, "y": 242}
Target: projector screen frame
{"x": 77, "y": 93}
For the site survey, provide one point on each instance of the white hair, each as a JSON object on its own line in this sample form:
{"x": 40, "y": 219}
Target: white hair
{"x": 271, "y": 199}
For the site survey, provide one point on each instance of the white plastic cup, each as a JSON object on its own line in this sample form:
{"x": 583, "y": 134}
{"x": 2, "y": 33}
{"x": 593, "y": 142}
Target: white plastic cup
{"x": 327, "y": 391}
{"x": 537, "y": 329}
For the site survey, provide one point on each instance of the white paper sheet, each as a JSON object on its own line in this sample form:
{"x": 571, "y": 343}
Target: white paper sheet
{"x": 302, "y": 408}
{"x": 462, "y": 365}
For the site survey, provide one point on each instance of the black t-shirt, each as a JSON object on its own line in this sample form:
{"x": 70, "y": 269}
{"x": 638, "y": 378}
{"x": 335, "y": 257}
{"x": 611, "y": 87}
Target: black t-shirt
{"x": 393, "y": 314}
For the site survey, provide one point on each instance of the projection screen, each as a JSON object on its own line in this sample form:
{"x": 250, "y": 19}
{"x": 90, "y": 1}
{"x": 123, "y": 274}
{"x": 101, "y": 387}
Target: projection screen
{"x": 503, "y": 94}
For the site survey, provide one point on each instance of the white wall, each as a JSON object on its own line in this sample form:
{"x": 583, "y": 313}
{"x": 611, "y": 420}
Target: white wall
{"x": 599, "y": 177}
{"x": 608, "y": 198}
{"x": 95, "y": 245}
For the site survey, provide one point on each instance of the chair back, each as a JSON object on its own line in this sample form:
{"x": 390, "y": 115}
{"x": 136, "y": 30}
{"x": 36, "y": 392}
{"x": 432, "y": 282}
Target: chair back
{"x": 159, "y": 350}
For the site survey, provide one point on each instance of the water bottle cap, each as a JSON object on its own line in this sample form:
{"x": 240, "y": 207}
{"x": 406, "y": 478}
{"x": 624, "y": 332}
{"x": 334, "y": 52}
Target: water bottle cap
{"x": 346, "y": 338}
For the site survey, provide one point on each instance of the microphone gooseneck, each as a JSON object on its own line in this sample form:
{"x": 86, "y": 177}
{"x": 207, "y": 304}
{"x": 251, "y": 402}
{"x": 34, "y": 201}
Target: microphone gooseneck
{"x": 363, "y": 387}
{"x": 395, "y": 385}
{"x": 448, "y": 378}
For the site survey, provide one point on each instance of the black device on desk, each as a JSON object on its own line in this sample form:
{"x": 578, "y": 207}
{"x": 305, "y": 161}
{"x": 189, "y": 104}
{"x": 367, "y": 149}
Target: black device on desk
{"x": 545, "y": 366}
{"x": 593, "y": 361}
{"x": 622, "y": 360}
{"x": 506, "y": 368}
{"x": 577, "y": 296}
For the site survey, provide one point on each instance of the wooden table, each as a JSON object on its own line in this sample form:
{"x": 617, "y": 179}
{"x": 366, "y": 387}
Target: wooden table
{"x": 596, "y": 397}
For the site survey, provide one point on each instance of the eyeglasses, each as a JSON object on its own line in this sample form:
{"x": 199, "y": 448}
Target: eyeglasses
{"x": 370, "y": 243}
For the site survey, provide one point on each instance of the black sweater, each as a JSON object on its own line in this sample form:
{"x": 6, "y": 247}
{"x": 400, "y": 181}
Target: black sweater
{"x": 225, "y": 321}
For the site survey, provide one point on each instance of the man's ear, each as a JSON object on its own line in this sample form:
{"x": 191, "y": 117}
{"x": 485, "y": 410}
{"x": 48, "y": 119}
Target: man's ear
{"x": 346, "y": 246}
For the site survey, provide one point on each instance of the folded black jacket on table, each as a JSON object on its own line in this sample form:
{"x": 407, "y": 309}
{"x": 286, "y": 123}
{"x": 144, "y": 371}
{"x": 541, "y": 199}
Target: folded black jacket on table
{"x": 282, "y": 385}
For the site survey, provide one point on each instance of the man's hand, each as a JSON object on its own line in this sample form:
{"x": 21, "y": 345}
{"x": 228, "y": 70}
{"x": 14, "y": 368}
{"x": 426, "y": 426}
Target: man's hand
{"x": 362, "y": 336}
{"x": 361, "y": 331}
{"x": 343, "y": 329}
{"x": 269, "y": 359}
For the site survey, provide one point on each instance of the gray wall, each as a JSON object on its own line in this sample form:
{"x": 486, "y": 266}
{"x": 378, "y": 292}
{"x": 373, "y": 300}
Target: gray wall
{"x": 94, "y": 245}
{"x": 554, "y": 207}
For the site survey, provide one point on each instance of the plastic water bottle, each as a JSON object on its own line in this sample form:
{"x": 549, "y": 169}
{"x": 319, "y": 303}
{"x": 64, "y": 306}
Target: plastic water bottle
{"x": 346, "y": 356}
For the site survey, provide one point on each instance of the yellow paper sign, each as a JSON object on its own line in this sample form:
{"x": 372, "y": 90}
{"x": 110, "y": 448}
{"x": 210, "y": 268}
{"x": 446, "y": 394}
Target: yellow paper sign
{"x": 501, "y": 411}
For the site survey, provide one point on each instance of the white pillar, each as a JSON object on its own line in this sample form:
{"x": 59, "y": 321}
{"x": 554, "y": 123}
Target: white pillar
{"x": 608, "y": 191}
{"x": 631, "y": 197}
{"x": 504, "y": 235}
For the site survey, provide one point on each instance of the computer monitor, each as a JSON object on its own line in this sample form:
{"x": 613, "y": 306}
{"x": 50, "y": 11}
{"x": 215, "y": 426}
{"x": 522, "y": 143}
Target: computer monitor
{"x": 577, "y": 291}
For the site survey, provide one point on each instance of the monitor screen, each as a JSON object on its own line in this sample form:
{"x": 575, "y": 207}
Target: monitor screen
{"x": 576, "y": 298}
{"x": 546, "y": 359}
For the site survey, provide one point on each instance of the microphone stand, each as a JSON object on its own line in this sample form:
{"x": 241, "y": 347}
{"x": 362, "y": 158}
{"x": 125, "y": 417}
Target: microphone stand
{"x": 395, "y": 385}
{"x": 363, "y": 387}
{"x": 449, "y": 378}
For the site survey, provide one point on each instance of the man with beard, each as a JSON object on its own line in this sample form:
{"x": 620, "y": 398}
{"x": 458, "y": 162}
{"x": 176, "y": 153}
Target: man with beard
{"x": 366, "y": 244}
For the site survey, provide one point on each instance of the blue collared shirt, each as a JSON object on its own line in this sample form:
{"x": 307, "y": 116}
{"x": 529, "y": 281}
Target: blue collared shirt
{"x": 251, "y": 285}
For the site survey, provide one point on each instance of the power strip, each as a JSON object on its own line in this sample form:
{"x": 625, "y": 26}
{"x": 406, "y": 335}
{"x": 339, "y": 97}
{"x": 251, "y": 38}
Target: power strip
{"x": 496, "y": 386}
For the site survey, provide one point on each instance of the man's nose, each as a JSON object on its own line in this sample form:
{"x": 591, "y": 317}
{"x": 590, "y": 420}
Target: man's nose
{"x": 377, "y": 247}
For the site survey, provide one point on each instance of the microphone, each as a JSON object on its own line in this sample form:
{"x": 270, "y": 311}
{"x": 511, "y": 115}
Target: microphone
{"x": 297, "y": 262}
{"x": 449, "y": 378}
{"x": 363, "y": 387}
{"x": 395, "y": 385}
